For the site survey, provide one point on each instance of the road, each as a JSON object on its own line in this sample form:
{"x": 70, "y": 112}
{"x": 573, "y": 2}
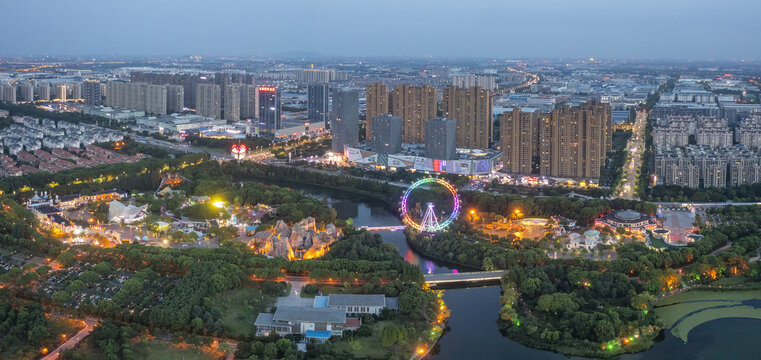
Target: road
{"x": 90, "y": 324}
{"x": 635, "y": 147}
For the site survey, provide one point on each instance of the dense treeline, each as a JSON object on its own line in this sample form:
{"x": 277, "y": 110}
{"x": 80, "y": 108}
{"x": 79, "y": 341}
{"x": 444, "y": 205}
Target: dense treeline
{"x": 113, "y": 341}
{"x": 251, "y": 142}
{"x": 584, "y": 212}
{"x": 18, "y": 230}
{"x": 249, "y": 171}
{"x": 142, "y": 175}
{"x": 204, "y": 279}
{"x": 131, "y": 147}
{"x": 742, "y": 193}
{"x": 208, "y": 179}
{"x": 24, "y": 328}
{"x": 400, "y": 175}
{"x": 575, "y": 307}
{"x": 615, "y": 169}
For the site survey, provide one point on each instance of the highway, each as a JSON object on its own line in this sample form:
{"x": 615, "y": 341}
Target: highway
{"x": 635, "y": 147}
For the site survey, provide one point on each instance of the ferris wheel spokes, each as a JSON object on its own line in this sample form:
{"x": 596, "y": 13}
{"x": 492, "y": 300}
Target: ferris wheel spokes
{"x": 430, "y": 222}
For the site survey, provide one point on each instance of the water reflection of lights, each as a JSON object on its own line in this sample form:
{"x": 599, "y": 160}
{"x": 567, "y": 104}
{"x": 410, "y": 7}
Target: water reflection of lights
{"x": 429, "y": 266}
{"x": 411, "y": 258}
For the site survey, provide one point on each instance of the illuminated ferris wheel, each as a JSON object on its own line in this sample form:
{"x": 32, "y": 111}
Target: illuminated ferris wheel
{"x": 430, "y": 222}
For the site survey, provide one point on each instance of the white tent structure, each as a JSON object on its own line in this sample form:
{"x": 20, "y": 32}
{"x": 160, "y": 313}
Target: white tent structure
{"x": 118, "y": 212}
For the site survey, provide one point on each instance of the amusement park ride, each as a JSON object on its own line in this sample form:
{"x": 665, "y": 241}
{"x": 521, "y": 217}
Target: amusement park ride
{"x": 430, "y": 222}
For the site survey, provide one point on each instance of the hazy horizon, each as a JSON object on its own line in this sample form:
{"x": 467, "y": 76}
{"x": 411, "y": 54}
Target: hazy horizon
{"x": 647, "y": 29}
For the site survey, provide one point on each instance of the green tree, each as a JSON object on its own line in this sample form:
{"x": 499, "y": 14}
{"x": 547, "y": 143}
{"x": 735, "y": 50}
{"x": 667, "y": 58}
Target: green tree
{"x": 389, "y": 335}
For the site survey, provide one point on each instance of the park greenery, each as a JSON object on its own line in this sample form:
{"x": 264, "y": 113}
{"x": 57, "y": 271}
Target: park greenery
{"x": 593, "y": 308}
{"x": 26, "y": 329}
{"x": 742, "y": 193}
{"x": 251, "y": 142}
{"x": 573, "y": 306}
{"x": 199, "y": 280}
{"x": 143, "y": 175}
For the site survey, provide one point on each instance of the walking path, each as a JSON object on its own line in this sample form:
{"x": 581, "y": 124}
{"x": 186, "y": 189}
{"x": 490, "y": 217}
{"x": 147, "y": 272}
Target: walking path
{"x": 89, "y": 323}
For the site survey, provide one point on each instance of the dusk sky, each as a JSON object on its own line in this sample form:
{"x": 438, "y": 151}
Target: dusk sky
{"x": 441, "y": 28}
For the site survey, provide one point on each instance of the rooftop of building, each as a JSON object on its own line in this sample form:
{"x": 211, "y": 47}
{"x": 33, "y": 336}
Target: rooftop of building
{"x": 309, "y": 314}
{"x": 356, "y": 300}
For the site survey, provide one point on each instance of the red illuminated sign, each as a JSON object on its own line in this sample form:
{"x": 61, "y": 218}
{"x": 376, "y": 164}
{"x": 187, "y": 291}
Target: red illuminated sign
{"x": 266, "y": 88}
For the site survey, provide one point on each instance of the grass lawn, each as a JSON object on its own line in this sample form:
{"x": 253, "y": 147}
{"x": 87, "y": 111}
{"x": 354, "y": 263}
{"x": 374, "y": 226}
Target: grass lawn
{"x": 683, "y": 312}
{"x": 240, "y": 307}
{"x": 658, "y": 243}
{"x": 707, "y": 295}
{"x": 734, "y": 280}
{"x": 155, "y": 350}
{"x": 369, "y": 347}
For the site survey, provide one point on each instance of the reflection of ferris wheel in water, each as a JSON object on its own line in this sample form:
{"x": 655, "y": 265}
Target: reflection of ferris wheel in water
{"x": 430, "y": 222}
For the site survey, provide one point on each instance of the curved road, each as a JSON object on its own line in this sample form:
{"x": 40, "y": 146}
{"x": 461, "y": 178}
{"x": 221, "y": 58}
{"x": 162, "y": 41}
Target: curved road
{"x": 89, "y": 323}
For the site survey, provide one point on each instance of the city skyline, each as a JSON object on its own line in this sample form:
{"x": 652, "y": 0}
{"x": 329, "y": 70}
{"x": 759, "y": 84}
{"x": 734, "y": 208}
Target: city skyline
{"x": 599, "y": 29}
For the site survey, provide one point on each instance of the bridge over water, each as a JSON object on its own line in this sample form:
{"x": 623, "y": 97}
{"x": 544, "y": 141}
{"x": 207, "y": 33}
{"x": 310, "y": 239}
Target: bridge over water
{"x": 384, "y": 228}
{"x": 463, "y": 278}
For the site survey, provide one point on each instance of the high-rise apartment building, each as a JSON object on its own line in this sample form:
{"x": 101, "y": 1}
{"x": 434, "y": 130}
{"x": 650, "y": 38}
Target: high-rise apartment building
{"x": 440, "y": 138}
{"x": 415, "y": 105}
{"x": 155, "y": 99}
{"x": 60, "y": 92}
{"x": 209, "y": 100}
{"x": 571, "y": 142}
{"x": 75, "y": 89}
{"x": 519, "y": 140}
{"x": 472, "y": 108}
{"x": 466, "y": 81}
{"x": 175, "y": 98}
{"x": 232, "y": 102}
{"x": 43, "y": 91}
{"x": 345, "y": 119}
{"x": 714, "y": 132}
{"x": 579, "y": 139}
{"x": 91, "y": 92}
{"x": 748, "y": 131}
{"x": 26, "y": 91}
{"x": 8, "y": 93}
{"x": 269, "y": 110}
{"x": 248, "y": 102}
{"x": 377, "y": 101}
{"x": 318, "y": 101}
{"x": 387, "y": 134}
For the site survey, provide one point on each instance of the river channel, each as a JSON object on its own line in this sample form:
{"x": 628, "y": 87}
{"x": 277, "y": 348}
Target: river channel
{"x": 472, "y": 331}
